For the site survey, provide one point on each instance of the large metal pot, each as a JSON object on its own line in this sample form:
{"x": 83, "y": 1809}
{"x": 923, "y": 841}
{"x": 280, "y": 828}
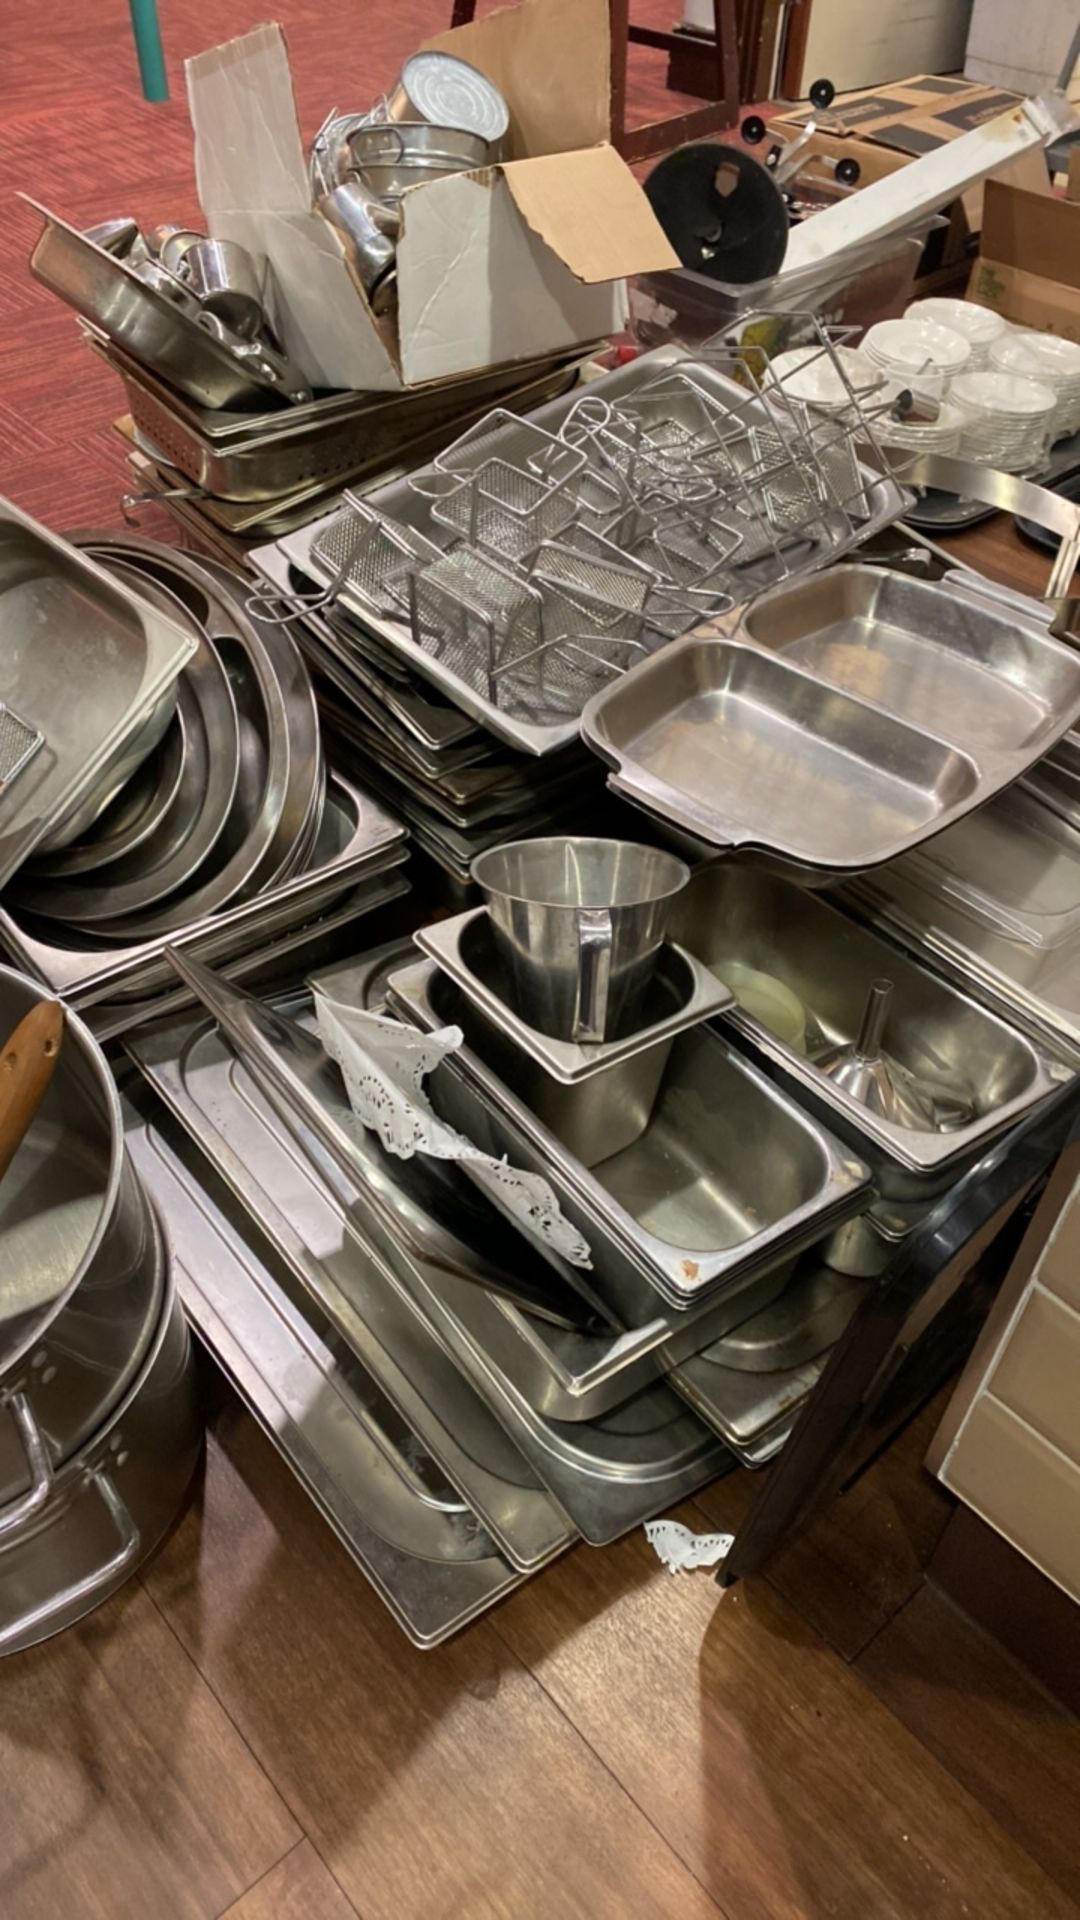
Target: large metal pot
{"x": 109, "y": 1506}
{"x": 82, "y": 1267}
{"x": 391, "y": 158}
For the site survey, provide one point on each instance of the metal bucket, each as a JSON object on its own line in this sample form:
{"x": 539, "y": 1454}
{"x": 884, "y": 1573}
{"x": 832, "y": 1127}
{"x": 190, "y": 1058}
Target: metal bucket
{"x": 82, "y": 1271}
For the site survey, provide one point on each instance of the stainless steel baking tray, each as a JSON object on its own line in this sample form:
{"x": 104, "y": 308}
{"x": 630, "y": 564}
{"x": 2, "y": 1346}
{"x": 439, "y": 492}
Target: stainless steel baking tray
{"x": 418, "y": 1542}
{"x": 943, "y": 655}
{"x": 740, "y": 749}
{"x": 107, "y": 291}
{"x": 726, "y": 1178}
{"x": 359, "y": 838}
{"x": 682, "y": 993}
{"x": 401, "y": 501}
{"x": 738, "y": 915}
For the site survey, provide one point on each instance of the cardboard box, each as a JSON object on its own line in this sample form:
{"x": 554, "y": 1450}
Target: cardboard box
{"x": 884, "y": 128}
{"x": 505, "y": 263}
{"x": 1029, "y": 262}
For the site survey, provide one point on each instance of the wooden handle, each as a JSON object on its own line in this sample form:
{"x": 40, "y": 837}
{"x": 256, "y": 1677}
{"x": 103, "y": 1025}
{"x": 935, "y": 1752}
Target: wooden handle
{"x": 26, "y": 1067}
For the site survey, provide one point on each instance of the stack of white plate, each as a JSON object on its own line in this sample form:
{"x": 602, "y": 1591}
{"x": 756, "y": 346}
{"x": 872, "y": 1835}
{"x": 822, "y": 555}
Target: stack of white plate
{"x": 813, "y": 376}
{"x": 1053, "y": 363}
{"x": 920, "y": 354}
{"x": 1008, "y": 421}
{"x": 940, "y": 433}
{"x": 977, "y": 325}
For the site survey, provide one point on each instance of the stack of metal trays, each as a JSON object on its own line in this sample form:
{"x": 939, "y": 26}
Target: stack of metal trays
{"x": 255, "y": 475}
{"x": 996, "y": 901}
{"x": 459, "y": 788}
{"x": 226, "y": 836}
{"x": 440, "y": 1474}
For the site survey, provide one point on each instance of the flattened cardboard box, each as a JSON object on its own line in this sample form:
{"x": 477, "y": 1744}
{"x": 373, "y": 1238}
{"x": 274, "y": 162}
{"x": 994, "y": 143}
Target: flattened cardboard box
{"x": 501, "y": 264}
{"x": 886, "y": 127}
{"x": 1029, "y": 263}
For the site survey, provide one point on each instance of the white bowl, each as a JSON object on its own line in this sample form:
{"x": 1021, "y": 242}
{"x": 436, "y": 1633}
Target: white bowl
{"x": 978, "y": 325}
{"x": 811, "y": 375}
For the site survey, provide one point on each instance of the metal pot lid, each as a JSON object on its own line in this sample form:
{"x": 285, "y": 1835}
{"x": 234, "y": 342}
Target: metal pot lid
{"x": 449, "y": 92}
{"x": 58, "y": 1195}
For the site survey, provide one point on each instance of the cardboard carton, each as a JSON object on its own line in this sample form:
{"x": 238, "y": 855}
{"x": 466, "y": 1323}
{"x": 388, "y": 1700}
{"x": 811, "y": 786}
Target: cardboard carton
{"x": 504, "y": 263}
{"x": 1029, "y": 262}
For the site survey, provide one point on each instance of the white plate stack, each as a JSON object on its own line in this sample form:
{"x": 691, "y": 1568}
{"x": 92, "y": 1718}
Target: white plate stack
{"x": 1053, "y": 363}
{"x": 977, "y": 325}
{"x": 1008, "y": 420}
{"x": 923, "y": 431}
{"x": 812, "y": 376}
{"x": 920, "y": 354}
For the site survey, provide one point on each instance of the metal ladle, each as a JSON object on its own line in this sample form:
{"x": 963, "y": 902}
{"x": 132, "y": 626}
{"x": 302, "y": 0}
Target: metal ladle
{"x": 881, "y": 1084}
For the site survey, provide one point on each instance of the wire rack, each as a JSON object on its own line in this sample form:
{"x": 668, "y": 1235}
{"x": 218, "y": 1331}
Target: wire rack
{"x": 572, "y": 554}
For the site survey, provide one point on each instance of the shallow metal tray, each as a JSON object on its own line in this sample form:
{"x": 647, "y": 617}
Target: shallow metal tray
{"x": 682, "y": 993}
{"x": 740, "y": 749}
{"x": 399, "y": 500}
{"x": 737, "y": 914}
{"x": 194, "y": 1072}
{"x": 942, "y": 655}
{"x": 672, "y": 1201}
{"x": 417, "y": 1541}
{"x": 363, "y": 839}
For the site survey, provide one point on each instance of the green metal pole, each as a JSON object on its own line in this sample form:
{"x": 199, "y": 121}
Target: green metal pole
{"x": 147, "y": 30}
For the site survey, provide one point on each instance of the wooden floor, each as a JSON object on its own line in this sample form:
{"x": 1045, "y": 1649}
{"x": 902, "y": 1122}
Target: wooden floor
{"x": 244, "y": 1732}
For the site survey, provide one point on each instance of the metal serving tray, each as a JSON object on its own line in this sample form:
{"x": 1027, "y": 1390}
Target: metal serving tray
{"x": 738, "y": 914}
{"x": 671, "y": 1202}
{"x": 682, "y": 993}
{"x": 942, "y": 655}
{"x": 401, "y": 502}
{"x": 363, "y": 839}
{"x": 105, "y": 290}
{"x": 740, "y": 749}
{"x": 418, "y": 1542}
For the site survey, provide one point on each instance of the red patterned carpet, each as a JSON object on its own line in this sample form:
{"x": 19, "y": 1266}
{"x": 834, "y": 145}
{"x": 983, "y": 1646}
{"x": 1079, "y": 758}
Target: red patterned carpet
{"x": 76, "y": 133}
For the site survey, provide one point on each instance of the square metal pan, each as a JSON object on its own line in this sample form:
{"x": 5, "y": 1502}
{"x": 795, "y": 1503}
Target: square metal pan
{"x": 683, "y": 993}
{"x": 739, "y": 914}
{"x": 419, "y": 1544}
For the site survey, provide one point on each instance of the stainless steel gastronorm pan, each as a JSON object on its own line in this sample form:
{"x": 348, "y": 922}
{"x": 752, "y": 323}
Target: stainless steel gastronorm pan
{"x": 744, "y": 750}
{"x": 726, "y": 1179}
{"x": 731, "y": 913}
{"x": 935, "y": 653}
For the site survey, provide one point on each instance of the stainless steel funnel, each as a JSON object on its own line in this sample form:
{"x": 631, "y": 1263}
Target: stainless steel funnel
{"x": 580, "y": 923}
